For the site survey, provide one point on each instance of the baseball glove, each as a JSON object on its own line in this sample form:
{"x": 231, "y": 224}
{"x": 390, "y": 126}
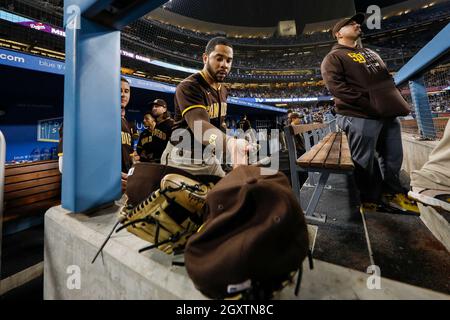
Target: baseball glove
{"x": 170, "y": 215}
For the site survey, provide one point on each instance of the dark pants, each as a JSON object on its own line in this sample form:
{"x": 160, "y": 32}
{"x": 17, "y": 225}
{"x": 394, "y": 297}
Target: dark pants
{"x": 376, "y": 148}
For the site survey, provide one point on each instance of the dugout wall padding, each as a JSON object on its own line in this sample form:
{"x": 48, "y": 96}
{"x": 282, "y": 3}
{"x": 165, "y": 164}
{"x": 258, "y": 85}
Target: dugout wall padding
{"x": 92, "y": 100}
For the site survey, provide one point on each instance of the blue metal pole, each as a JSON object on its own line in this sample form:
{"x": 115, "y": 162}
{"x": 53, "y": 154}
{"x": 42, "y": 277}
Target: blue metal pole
{"x": 92, "y": 154}
{"x": 438, "y": 47}
{"x": 2, "y": 185}
{"x": 423, "y": 112}
{"x": 92, "y": 141}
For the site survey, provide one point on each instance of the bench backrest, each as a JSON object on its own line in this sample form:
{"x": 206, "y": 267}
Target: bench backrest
{"x": 31, "y": 189}
{"x": 311, "y": 134}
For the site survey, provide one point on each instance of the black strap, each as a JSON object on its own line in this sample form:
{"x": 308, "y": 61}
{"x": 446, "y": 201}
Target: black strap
{"x": 156, "y": 245}
{"x": 146, "y": 219}
{"x": 310, "y": 259}
{"x": 157, "y": 231}
{"x": 299, "y": 279}
{"x": 300, "y": 271}
{"x": 173, "y": 238}
{"x": 166, "y": 164}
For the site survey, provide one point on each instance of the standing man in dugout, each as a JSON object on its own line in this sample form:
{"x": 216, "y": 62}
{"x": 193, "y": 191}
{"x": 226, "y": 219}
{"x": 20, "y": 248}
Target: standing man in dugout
{"x": 368, "y": 104}
{"x": 153, "y": 140}
{"x": 200, "y": 110}
{"x": 163, "y": 128}
{"x": 128, "y": 131}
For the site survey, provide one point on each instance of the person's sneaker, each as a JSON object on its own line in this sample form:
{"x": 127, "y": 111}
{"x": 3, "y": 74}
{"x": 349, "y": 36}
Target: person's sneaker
{"x": 371, "y": 207}
{"x": 435, "y": 198}
{"x": 367, "y": 207}
{"x": 400, "y": 202}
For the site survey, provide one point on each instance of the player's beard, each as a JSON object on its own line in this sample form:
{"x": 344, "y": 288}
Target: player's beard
{"x": 213, "y": 73}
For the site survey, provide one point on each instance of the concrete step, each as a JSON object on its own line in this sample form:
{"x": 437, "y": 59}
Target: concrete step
{"x": 22, "y": 250}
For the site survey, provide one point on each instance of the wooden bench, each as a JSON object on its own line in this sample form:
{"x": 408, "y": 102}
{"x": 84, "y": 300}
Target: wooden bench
{"x": 327, "y": 151}
{"x": 30, "y": 189}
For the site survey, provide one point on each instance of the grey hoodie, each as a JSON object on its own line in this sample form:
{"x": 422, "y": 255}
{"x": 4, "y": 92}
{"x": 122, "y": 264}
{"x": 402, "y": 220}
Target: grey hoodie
{"x": 361, "y": 84}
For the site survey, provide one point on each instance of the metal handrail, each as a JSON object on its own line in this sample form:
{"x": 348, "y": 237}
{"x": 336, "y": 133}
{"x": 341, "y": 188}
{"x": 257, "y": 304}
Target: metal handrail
{"x": 2, "y": 184}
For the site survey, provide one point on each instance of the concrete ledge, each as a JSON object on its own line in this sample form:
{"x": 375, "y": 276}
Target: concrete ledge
{"x": 415, "y": 152}
{"x": 436, "y": 223}
{"x": 122, "y": 273}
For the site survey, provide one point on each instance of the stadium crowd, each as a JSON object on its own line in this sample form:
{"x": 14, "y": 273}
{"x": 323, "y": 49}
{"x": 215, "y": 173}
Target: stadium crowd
{"x": 394, "y": 22}
{"x": 156, "y": 40}
{"x": 271, "y": 92}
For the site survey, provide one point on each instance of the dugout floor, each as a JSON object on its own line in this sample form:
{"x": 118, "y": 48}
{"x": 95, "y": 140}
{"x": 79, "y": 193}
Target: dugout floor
{"x": 402, "y": 246}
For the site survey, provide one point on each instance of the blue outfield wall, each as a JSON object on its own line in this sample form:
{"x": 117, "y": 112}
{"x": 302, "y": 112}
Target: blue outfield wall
{"x": 23, "y": 145}
{"x": 31, "y": 97}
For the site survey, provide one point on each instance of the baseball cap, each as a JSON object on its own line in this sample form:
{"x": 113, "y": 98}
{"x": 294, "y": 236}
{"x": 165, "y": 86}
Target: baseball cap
{"x": 359, "y": 18}
{"x": 296, "y": 115}
{"x": 160, "y": 102}
{"x": 254, "y": 229}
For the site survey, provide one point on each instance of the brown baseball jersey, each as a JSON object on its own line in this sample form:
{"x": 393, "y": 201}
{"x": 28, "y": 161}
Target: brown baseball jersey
{"x": 127, "y": 137}
{"x": 195, "y": 92}
{"x": 152, "y": 143}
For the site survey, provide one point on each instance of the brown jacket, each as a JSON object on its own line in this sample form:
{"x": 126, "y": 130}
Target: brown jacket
{"x": 361, "y": 84}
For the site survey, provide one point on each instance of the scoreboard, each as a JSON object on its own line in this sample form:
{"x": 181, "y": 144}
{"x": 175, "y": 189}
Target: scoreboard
{"x": 48, "y": 129}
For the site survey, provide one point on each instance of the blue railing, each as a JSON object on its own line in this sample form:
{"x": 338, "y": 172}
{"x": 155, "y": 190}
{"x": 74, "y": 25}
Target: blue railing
{"x": 433, "y": 52}
{"x": 2, "y": 184}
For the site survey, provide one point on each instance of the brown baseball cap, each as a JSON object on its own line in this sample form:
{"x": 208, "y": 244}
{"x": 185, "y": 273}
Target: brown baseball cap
{"x": 254, "y": 230}
{"x": 159, "y": 102}
{"x": 359, "y": 18}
